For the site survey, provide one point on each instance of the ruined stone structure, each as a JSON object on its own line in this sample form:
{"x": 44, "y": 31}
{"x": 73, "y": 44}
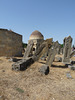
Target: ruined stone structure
{"x": 36, "y": 38}
{"x": 10, "y": 43}
{"x": 38, "y": 47}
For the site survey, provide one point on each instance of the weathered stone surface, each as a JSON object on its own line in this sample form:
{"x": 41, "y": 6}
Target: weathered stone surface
{"x": 67, "y": 50}
{"x": 28, "y": 49}
{"x": 10, "y": 43}
{"x": 22, "y": 64}
{"x": 43, "y": 58}
{"x": 72, "y": 53}
{"x": 61, "y": 51}
{"x": 38, "y": 51}
{"x": 42, "y": 49}
{"x": 72, "y": 67}
{"x": 58, "y": 49}
{"x": 58, "y": 59}
{"x": 48, "y": 45}
{"x": 52, "y": 53}
{"x": 44, "y": 69}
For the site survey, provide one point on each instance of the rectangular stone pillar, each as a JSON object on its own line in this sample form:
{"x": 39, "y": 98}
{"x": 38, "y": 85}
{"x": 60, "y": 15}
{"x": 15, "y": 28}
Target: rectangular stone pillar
{"x": 67, "y": 50}
{"x": 52, "y": 53}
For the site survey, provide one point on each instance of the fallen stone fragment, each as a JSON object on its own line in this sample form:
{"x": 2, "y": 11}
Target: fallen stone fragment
{"x": 72, "y": 67}
{"x": 44, "y": 69}
{"x": 22, "y": 64}
{"x": 58, "y": 59}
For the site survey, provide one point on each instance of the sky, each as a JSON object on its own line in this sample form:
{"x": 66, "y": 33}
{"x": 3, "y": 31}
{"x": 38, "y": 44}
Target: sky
{"x": 53, "y": 18}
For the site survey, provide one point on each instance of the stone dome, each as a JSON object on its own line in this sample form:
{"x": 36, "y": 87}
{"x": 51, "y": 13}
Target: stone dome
{"x": 36, "y": 35}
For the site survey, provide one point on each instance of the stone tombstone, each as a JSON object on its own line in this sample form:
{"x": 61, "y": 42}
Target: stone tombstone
{"x": 22, "y": 64}
{"x": 28, "y": 49}
{"x": 39, "y": 50}
{"x": 67, "y": 50}
{"x": 72, "y": 54}
{"x": 52, "y": 53}
{"x": 47, "y": 47}
{"x": 42, "y": 49}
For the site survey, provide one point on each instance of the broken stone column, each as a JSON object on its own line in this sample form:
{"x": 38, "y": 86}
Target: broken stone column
{"x": 67, "y": 50}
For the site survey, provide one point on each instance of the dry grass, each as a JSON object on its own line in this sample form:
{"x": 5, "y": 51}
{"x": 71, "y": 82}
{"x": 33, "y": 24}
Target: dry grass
{"x": 31, "y": 85}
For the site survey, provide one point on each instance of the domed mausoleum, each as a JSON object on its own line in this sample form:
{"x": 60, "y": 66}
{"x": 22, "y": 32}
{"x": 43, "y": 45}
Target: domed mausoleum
{"x": 36, "y": 37}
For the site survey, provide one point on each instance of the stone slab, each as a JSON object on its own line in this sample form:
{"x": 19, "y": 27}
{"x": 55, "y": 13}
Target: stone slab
{"x": 72, "y": 54}
{"x": 67, "y": 50}
{"x": 28, "y": 49}
{"x": 52, "y": 53}
{"x": 22, "y": 64}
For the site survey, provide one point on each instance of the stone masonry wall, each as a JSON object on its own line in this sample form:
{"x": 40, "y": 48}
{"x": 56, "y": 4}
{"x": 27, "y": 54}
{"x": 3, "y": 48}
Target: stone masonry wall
{"x": 10, "y": 43}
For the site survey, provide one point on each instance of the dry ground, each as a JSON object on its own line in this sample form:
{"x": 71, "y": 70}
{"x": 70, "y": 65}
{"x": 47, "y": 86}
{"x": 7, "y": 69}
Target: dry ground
{"x": 31, "y": 85}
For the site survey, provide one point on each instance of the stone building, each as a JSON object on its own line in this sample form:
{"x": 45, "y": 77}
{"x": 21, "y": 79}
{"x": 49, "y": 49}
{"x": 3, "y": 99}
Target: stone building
{"x": 37, "y": 38}
{"x": 10, "y": 43}
{"x": 36, "y": 43}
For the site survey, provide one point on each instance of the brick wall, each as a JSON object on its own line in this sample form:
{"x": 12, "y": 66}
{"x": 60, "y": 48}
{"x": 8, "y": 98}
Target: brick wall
{"x": 10, "y": 43}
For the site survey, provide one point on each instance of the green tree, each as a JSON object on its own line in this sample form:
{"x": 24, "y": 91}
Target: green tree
{"x": 24, "y": 45}
{"x": 62, "y": 45}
